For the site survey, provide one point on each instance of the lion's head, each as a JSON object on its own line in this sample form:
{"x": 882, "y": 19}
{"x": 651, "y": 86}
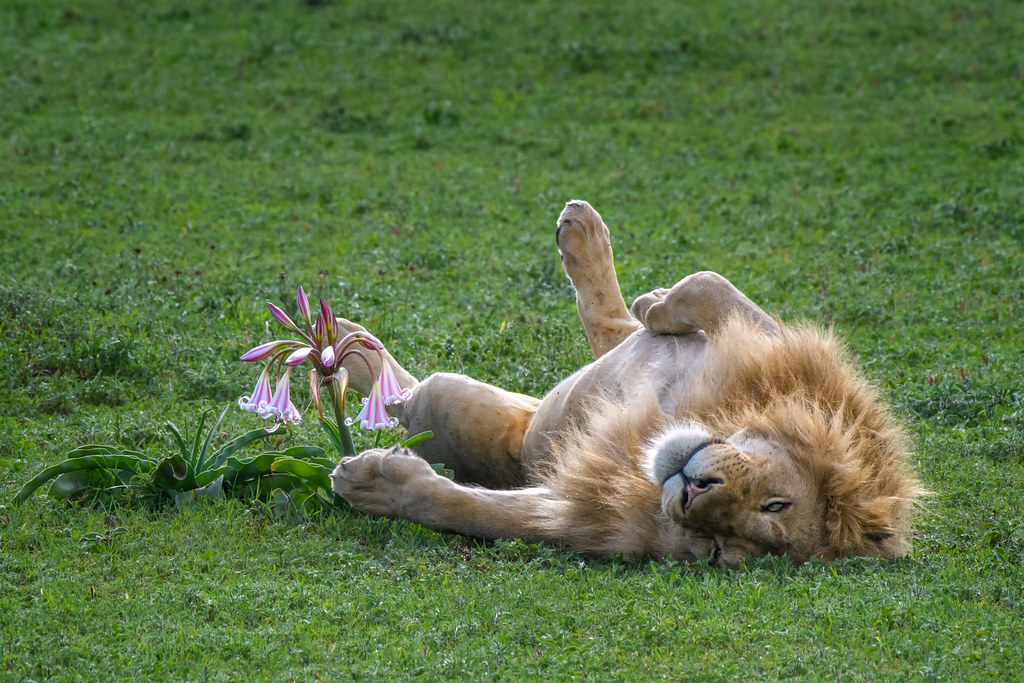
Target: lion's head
{"x": 791, "y": 453}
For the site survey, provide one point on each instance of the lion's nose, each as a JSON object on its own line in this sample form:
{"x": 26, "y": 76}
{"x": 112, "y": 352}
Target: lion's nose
{"x": 695, "y": 487}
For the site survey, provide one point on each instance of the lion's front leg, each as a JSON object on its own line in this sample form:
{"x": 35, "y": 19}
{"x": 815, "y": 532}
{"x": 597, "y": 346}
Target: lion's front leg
{"x": 397, "y": 483}
{"x": 585, "y": 244}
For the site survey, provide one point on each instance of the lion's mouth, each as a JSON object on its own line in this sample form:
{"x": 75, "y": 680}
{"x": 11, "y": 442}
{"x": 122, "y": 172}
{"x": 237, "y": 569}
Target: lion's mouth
{"x": 695, "y": 487}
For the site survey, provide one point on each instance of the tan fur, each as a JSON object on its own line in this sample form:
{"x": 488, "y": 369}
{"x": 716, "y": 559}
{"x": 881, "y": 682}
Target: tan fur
{"x": 611, "y": 506}
{"x": 704, "y": 429}
{"x": 801, "y": 390}
{"x": 797, "y": 389}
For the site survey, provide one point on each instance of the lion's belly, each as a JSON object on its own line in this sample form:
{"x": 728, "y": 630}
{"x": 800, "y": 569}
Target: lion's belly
{"x": 666, "y": 364}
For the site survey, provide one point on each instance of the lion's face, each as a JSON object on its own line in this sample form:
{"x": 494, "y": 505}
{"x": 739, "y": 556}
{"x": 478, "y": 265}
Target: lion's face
{"x": 742, "y": 494}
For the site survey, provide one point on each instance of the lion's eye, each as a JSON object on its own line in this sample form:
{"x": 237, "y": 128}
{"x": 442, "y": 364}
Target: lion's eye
{"x": 775, "y": 506}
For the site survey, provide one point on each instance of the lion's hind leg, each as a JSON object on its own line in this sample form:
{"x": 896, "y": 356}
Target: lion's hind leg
{"x": 478, "y": 428}
{"x": 701, "y": 301}
{"x": 585, "y": 244}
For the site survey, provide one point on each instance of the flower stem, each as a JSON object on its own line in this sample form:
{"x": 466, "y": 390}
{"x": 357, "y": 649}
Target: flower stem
{"x": 348, "y": 446}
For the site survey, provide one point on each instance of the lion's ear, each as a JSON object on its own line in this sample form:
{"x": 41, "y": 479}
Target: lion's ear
{"x": 889, "y": 544}
{"x": 869, "y": 528}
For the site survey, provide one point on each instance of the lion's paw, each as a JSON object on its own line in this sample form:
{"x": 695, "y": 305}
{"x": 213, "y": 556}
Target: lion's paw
{"x": 381, "y": 482}
{"x": 655, "y": 311}
{"x": 583, "y": 239}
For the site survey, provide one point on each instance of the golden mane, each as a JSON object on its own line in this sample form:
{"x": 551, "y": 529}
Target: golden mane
{"x": 799, "y": 389}
{"x": 595, "y": 469}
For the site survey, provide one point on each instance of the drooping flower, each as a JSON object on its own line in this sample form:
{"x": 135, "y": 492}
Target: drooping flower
{"x": 391, "y": 390}
{"x": 261, "y": 395}
{"x": 374, "y": 414}
{"x": 293, "y": 414}
{"x": 281, "y": 407}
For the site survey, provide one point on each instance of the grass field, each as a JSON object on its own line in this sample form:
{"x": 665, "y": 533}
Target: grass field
{"x": 166, "y": 167}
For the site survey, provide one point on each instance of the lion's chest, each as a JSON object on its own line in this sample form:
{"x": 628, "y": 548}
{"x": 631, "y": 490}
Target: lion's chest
{"x": 666, "y": 365}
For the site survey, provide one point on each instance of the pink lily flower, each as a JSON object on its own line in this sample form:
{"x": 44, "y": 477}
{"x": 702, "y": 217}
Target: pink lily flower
{"x": 264, "y": 351}
{"x": 391, "y": 390}
{"x": 323, "y": 343}
{"x": 281, "y": 407}
{"x": 297, "y": 356}
{"x": 261, "y": 395}
{"x": 374, "y": 414}
{"x": 331, "y": 328}
{"x": 303, "y": 305}
{"x": 319, "y": 330}
{"x": 282, "y": 317}
{"x": 293, "y": 414}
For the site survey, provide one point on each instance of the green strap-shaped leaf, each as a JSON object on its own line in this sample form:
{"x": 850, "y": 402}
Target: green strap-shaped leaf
{"x": 174, "y": 474}
{"x": 304, "y": 452}
{"x": 179, "y": 438}
{"x": 324, "y": 462}
{"x": 85, "y": 462}
{"x": 197, "y": 436}
{"x": 442, "y": 470}
{"x": 101, "y": 449}
{"x": 231, "y": 447}
{"x": 239, "y": 471}
{"x": 313, "y": 454}
{"x": 200, "y": 461}
{"x": 207, "y": 477}
{"x": 417, "y": 438}
{"x": 315, "y": 474}
{"x": 80, "y": 482}
{"x": 263, "y": 486}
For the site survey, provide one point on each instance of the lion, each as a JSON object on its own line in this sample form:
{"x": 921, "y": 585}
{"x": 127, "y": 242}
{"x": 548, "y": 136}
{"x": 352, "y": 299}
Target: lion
{"x": 705, "y": 429}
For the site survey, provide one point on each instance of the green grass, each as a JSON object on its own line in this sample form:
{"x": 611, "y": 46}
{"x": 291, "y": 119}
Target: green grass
{"x": 168, "y": 166}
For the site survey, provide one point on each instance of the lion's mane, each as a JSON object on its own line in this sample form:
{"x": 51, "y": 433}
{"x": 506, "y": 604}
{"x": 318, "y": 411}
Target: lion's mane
{"x": 798, "y": 389}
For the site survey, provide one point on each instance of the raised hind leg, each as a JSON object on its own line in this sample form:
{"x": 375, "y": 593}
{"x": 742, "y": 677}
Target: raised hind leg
{"x": 701, "y": 301}
{"x": 585, "y": 244}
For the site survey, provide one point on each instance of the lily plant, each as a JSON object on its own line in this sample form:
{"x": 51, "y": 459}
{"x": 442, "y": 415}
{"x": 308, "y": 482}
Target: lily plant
{"x": 326, "y": 348}
{"x": 297, "y": 480}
